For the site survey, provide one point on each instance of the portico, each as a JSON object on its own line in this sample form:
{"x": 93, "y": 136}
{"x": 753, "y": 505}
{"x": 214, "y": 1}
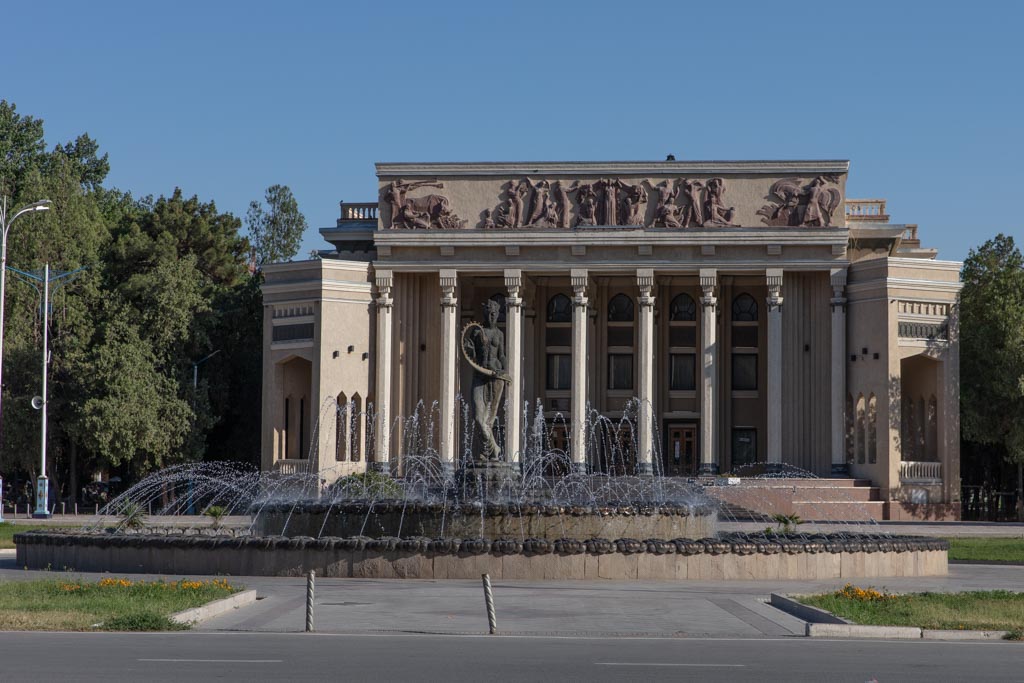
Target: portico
{"x": 709, "y": 336}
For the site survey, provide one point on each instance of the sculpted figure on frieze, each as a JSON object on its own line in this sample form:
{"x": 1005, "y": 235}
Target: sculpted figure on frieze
{"x": 541, "y": 189}
{"x": 633, "y": 205}
{"x": 715, "y": 211}
{"x": 794, "y": 204}
{"x": 563, "y": 205}
{"x": 429, "y": 211}
{"x": 513, "y": 212}
{"x": 607, "y": 192}
{"x": 692, "y": 214}
{"x": 587, "y": 198}
{"x": 396, "y": 191}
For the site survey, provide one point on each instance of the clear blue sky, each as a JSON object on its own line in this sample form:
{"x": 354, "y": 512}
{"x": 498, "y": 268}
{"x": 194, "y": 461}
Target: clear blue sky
{"x": 226, "y": 98}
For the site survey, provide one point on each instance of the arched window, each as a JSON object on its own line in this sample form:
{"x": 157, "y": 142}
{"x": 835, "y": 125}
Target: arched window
{"x": 620, "y": 309}
{"x": 860, "y": 429}
{"x": 357, "y": 427}
{"x": 500, "y": 298}
{"x": 341, "y": 428}
{"x": 872, "y": 430}
{"x": 683, "y": 309}
{"x": 744, "y": 309}
{"x": 559, "y": 309}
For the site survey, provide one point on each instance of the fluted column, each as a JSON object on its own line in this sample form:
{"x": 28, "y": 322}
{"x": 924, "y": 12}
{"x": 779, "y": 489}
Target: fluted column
{"x": 578, "y": 450}
{"x": 514, "y": 358}
{"x": 838, "y": 303}
{"x": 382, "y": 438}
{"x": 645, "y": 459}
{"x": 709, "y": 374}
{"x": 774, "y": 389}
{"x": 449, "y": 364}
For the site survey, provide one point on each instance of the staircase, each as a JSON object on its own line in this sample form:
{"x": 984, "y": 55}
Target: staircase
{"x": 814, "y": 500}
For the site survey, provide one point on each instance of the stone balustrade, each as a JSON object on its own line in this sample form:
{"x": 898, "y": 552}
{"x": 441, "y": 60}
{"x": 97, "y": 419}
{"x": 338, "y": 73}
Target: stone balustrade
{"x": 920, "y": 472}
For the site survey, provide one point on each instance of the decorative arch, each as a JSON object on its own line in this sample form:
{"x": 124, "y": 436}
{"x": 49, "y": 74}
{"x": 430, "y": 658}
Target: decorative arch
{"x": 620, "y": 309}
{"x": 683, "y": 309}
{"x": 744, "y": 309}
{"x": 356, "y": 449}
{"x": 559, "y": 309}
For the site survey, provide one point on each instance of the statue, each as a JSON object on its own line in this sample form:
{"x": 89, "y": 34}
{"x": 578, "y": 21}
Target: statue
{"x": 396, "y": 191}
{"x": 540, "y": 201}
{"x": 431, "y": 211}
{"x": 563, "y": 205}
{"x": 715, "y": 212}
{"x": 483, "y": 347}
{"x": 609, "y": 190}
{"x": 797, "y": 206}
{"x": 512, "y": 214}
{"x": 587, "y": 198}
{"x": 488, "y": 221}
{"x": 666, "y": 212}
{"x": 691, "y": 212}
{"x": 633, "y": 204}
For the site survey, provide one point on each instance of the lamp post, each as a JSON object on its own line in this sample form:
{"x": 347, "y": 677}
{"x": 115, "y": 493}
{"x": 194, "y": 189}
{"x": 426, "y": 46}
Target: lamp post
{"x": 41, "y": 205}
{"x": 39, "y": 402}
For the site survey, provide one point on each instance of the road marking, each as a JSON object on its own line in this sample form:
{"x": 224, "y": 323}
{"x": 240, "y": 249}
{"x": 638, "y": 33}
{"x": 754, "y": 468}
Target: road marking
{"x": 735, "y": 666}
{"x": 216, "y": 661}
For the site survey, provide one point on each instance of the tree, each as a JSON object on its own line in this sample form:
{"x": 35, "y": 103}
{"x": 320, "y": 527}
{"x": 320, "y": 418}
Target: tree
{"x": 992, "y": 352}
{"x": 276, "y": 230}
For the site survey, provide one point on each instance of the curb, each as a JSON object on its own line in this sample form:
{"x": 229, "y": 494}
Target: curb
{"x": 929, "y": 634}
{"x": 812, "y": 615}
{"x": 197, "y": 615}
{"x": 861, "y": 631}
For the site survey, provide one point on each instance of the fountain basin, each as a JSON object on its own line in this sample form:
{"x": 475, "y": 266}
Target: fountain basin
{"x": 410, "y": 519}
{"x": 748, "y": 557}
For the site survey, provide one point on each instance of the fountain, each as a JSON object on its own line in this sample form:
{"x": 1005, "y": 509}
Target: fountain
{"x": 542, "y": 519}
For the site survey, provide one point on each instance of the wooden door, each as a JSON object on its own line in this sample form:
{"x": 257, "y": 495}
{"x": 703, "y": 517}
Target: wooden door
{"x": 681, "y": 455}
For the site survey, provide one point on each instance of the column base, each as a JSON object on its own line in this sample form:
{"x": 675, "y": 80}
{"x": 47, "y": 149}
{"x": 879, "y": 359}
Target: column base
{"x": 644, "y": 469}
{"x": 840, "y": 469}
{"x": 708, "y": 469}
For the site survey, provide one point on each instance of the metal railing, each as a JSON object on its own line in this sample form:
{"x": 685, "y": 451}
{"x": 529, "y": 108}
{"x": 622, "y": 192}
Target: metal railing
{"x": 920, "y": 472}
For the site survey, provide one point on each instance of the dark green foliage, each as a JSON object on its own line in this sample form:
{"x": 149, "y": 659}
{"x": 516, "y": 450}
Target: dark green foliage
{"x": 275, "y": 231}
{"x": 142, "y": 621}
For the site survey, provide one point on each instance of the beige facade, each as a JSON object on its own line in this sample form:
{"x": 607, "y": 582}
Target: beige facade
{"x": 782, "y": 324}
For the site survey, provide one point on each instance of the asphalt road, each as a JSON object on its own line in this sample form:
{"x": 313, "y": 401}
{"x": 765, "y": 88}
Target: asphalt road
{"x": 396, "y": 657}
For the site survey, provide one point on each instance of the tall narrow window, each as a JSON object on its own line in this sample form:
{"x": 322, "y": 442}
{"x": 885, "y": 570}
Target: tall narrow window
{"x": 559, "y": 371}
{"x": 683, "y": 372}
{"x": 357, "y": 427}
{"x": 744, "y": 343}
{"x": 872, "y": 430}
{"x": 860, "y": 429}
{"x": 341, "y": 428}
{"x": 287, "y": 433}
{"x": 682, "y": 343}
{"x": 558, "y": 343}
{"x": 302, "y": 427}
{"x": 620, "y": 343}
{"x": 559, "y": 309}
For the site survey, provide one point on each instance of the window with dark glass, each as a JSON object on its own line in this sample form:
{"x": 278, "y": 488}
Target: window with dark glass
{"x": 620, "y": 371}
{"x": 744, "y": 371}
{"x": 682, "y": 372}
{"x": 620, "y": 309}
{"x": 683, "y": 309}
{"x": 559, "y": 309}
{"x": 559, "y": 371}
{"x": 744, "y": 309}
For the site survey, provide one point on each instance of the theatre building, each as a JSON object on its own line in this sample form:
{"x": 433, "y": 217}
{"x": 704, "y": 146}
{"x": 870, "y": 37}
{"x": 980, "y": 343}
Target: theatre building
{"x": 741, "y": 316}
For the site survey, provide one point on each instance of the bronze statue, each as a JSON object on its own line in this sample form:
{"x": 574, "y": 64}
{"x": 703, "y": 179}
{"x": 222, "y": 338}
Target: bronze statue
{"x": 691, "y": 212}
{"x": 797, "y": 206}
{"x": 483, "y": 347}
{"x": 715, "y": 212}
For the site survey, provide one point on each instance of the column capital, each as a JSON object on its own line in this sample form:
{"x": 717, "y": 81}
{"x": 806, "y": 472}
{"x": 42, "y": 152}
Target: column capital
{"x": 837, "y": 278}
{"x": 645, "y": 281}
{"x": 449, "y": 278}
{"x": 514, "y": 284}
{"x": 384, "y": 280}
{"x": 708, "y": 282}
{"x": 773, "y": 278}
{"x": 579, "y": 280}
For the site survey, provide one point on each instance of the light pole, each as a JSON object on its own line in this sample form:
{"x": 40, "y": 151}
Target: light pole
{"x": 195, "y": 369}
{"x": 41, "y": 205}
{"x": 39, "y": 402}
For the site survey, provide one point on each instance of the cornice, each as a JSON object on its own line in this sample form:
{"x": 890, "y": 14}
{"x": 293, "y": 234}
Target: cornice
{"x": 598, "y": 168}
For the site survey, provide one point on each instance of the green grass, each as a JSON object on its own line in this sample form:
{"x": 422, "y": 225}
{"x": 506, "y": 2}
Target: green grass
{"x": 975, "y": 610}
{"x": 987, "y": 549}
{"x": 7, "y": 531}
{"x": 108, "y": 605}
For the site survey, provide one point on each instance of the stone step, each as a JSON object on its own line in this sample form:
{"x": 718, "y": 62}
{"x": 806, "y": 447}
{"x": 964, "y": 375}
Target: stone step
{"x": 806, "y": 482}
{"x": 811, "y": 493}
{"x": 820, "y": 511}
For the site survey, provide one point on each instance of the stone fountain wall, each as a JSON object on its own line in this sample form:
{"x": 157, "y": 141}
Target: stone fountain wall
{"x": 732, "y": 557}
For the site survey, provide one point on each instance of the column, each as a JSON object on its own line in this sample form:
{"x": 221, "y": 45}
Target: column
{"x": 514, "y": 356}
{"x": 838, "y": 303}
{"x": 645, "y": 456}
{"x": 578, "y": 406}
{"x": 449, "y": 364}
{"x": 385, "y": 306}
{"x": 709, "y": 375}
{"x": 774, "y": 392}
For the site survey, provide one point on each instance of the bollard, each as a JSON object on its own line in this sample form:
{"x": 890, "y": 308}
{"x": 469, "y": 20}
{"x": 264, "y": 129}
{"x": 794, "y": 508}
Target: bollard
{"x": 310, "y": 581}
{"x": 63, "y": 509}
{"x": 492, "y": 620}
{"x": 76, "y": 509}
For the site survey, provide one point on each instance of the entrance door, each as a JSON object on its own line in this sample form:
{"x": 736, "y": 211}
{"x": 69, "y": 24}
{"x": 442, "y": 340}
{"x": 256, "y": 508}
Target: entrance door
{"x": 744, "y": 446}
{"x": 680, "y": 458}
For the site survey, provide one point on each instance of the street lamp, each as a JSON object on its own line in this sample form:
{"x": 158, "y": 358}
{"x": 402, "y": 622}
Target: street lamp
{"x": 41, "y": 205}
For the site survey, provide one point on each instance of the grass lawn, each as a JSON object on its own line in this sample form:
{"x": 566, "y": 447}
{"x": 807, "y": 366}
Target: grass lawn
{"x": 987, "y": 549}
{"x": 975, "y": 610}
{"x": 7, "y": 531}
{"x": 114, "y": 604}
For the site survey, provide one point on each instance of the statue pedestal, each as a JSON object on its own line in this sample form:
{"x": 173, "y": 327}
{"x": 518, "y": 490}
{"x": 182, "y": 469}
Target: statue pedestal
{"x": 487, "y": 479}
